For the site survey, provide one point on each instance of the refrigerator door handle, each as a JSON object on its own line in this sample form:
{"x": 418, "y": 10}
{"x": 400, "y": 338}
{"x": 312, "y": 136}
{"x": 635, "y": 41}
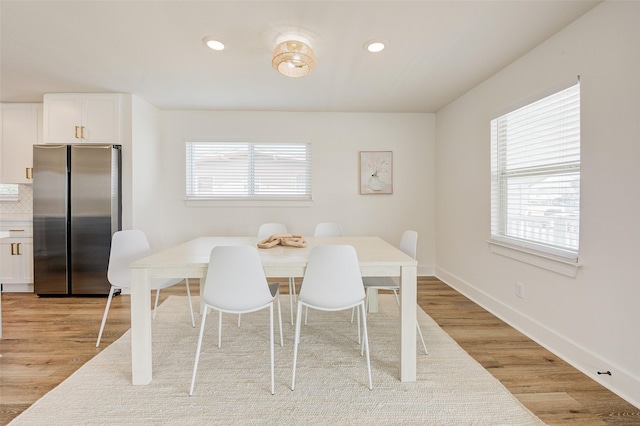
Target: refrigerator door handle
{"x": 89, "y": 146}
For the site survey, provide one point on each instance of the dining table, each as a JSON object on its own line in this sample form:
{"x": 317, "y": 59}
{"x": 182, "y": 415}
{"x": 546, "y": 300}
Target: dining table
{"x": 376, "y": 257}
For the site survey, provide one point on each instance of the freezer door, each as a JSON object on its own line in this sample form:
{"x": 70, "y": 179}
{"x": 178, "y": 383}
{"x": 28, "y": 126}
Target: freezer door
{"x": 50, "y": 202}
{"x": 95, "y": 215}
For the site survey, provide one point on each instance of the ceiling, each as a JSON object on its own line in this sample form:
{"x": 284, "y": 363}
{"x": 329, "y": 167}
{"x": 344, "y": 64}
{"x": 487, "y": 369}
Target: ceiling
{"x": 436, "y": 50}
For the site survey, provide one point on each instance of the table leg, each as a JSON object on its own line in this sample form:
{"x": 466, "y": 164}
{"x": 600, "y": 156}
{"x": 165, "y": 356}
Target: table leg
{"x": 202, "y": 280}
{"x": 141, "y": 361}
{"x": 408, "y": 302}
{"x": 372, "y": 294}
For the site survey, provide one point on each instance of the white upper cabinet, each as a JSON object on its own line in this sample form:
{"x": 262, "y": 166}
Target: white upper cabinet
{"x": 82, "y": 118}
{"x": 21, "y": 125}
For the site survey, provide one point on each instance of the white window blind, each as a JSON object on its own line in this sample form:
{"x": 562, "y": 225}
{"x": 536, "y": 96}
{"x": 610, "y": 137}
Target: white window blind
{"x": 535, "y": 167}
{"x": 246, "y": 170}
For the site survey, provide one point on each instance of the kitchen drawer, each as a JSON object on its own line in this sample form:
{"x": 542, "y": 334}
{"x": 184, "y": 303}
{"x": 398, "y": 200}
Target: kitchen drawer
{"x": 17, "y": 228}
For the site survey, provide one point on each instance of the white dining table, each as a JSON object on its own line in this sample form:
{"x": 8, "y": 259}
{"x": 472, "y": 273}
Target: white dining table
{"x": 376, "y": 257}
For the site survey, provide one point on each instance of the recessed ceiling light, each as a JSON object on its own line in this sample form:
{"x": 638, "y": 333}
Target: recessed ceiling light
{"x": 213, "y": 42}
{"x": 374, "y": 46}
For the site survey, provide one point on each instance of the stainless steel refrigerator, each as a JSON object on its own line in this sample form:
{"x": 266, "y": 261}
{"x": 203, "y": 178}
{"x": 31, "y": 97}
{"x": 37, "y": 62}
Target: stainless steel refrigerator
{"x": 77, "y": 206}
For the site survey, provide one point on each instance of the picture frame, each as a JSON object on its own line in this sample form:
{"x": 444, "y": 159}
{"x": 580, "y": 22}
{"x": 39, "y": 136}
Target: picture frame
{"x": 376, "y": 172}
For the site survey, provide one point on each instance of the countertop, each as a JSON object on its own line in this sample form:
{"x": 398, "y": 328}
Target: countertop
{"x": 15, "y": 217}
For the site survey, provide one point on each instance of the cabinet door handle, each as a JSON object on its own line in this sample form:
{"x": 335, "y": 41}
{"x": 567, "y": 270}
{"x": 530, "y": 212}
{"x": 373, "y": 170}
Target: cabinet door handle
{"x": 29, "y": 172}
{"x": 13, "y": 249}
{"x": 81, "y": 132}
{"x": 19, "y": 251}
{"x": 75, "y": 132}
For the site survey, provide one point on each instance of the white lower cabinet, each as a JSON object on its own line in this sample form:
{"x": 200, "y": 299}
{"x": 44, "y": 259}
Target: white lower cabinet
{"x": 16, "y": 258}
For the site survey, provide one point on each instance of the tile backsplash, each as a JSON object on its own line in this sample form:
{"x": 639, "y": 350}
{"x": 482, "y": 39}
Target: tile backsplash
{"x": 24, "y": 205}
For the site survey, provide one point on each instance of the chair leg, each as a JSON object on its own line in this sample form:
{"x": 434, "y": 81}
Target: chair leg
{"x": 355, "y": 308}
{"x": 193, "y": 320}
{"x": 155, "y": 306}
{"x": 104, "y": 317}
{"x": 359, "y": 336}
{"x": 220, "y": 321}
{"x": 365, "y": 338}
{"x": 275, "y": 292}
{"x": 219, "y": 329}
{"x": 296, "y": 341}
{"x": 195, "y": 365}
{"x": 421, "y": 338}
{"x": 280, "y": 318}
{"x": 271, "y": 343}
{"x": 366, "y": 308}
{"x": 292, "y": 295}
{"x": 424, "y": 345}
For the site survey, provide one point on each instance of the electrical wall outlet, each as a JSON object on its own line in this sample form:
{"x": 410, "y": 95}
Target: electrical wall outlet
{"x": 520, "y": 290}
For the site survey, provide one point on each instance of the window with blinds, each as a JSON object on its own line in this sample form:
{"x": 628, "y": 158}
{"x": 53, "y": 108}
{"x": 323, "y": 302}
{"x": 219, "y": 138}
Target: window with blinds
{"x": 248, "y": 171}
{"x": 535, "y": 168}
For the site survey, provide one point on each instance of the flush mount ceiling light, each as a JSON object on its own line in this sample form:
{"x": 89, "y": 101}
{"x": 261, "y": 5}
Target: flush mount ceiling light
{"x": 374, "y": 46}
{"x": 212, "y": 42}
{"x": 293, "y": 58}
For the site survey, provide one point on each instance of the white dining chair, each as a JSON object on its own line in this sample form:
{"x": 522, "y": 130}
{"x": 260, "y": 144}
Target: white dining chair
{"x": 269, "y": 229}
{"x": 328, "y": 229}
{"x": 127, "y": 246}
{"x": 409, "y": 245}
{"x": 265, "y": 231}
{"x": 236, "y": 283}
{"x": 332, "y": 282}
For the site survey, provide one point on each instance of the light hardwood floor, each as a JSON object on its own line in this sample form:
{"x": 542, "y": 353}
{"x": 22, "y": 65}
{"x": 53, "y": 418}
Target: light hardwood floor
{"x": 46, "y": 339}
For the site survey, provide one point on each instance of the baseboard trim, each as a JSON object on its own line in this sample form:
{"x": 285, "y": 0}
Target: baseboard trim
{"x": 17, "y": 288}
{"x": 621, "y": 382}
{"x": 426, "y": 270}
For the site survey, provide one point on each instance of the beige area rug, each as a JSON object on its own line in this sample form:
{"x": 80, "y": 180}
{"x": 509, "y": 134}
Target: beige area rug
{"x": 233, "y": 385}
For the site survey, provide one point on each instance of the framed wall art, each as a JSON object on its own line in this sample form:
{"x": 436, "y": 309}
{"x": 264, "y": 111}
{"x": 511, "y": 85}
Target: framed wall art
{"x": 376, "y": 172}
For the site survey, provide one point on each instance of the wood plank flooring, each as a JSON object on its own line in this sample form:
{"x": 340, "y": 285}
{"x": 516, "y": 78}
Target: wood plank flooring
{"x": 46, "y": 339}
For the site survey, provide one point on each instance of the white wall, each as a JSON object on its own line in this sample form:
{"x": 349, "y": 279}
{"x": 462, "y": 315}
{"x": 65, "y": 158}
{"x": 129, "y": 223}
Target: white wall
{"x": 336, "y": 140}
{"x": 592, "y": 320}
{"x": 148, "y": 172}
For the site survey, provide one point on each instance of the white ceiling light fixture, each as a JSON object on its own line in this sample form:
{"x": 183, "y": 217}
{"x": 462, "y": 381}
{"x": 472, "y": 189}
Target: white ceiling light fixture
{"x": 374, "y": 46}
{"x": 213, "y": 42}
{"x": 293, "y": 58}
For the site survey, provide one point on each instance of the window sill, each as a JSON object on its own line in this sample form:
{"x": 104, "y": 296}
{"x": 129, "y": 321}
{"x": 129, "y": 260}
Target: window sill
{"x": 248, "y": 203}
{"x": 565, "y": 267}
